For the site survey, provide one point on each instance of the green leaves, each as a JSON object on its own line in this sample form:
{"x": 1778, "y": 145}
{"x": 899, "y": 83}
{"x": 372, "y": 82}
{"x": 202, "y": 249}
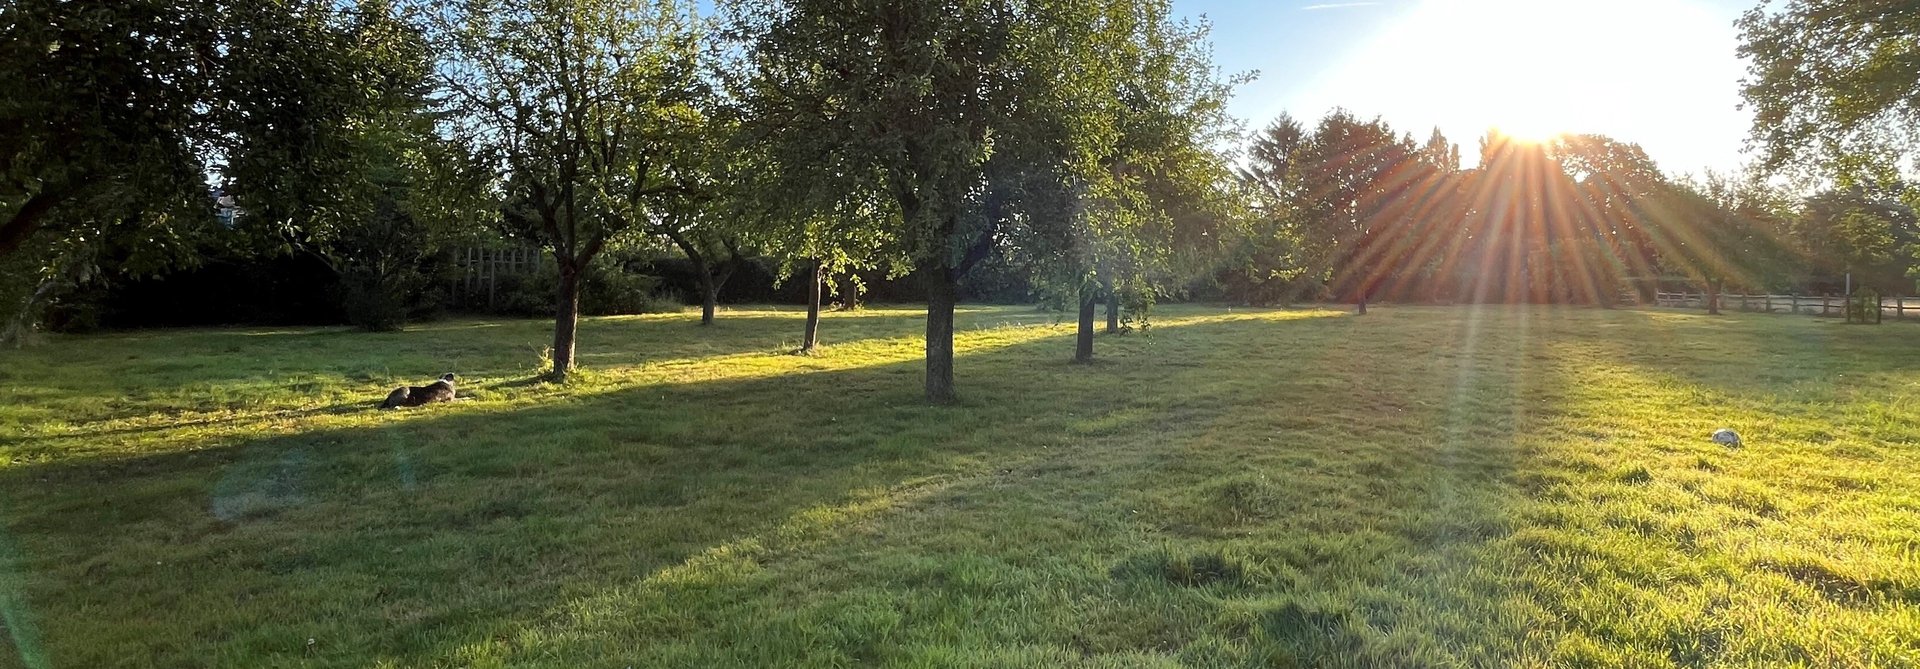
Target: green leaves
{"x": 589, "y": 113}
{"x": 1830, "y": 78}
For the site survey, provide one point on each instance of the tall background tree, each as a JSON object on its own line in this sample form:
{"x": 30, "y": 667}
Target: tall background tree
{"x": 945, "y": 103}
{"x": 587, "y": 112}
{"x": 1833, "y": 82}
{"x": 119, "y": 112}
{"x": 1160, "y": 196}
{"x": 328, "y": 138}
{"x": 105, "y": 117}
{"x": 1835, "y": 90}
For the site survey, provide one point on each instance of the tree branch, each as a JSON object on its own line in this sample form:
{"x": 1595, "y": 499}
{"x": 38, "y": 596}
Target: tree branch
{"x": 977, "y": 251}
{"x": 32, "y": 214}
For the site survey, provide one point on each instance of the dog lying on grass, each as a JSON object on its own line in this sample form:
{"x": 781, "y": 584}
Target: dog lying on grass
{"x": 413, "y": 396}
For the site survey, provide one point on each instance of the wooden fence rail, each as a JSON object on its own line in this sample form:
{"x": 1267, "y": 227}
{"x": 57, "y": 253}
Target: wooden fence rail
{"x": 481, "y": 268}
{"x": 1817, "y": 305}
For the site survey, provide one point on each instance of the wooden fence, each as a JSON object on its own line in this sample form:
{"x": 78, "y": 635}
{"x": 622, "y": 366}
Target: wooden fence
{"x": 1817, "y": 305}
{"x": 481, "y": 268}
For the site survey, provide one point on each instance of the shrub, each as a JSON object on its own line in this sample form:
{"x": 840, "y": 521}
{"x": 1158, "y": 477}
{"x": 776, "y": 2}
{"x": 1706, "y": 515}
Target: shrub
{"x": 609, "y": 289}
{"x": 612, "y": 285}
{"x": 380, "y": 302}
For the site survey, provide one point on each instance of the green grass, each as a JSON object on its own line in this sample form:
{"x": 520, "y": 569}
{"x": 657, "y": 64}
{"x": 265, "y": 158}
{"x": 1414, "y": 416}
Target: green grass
{"x": 1417, "y": 487}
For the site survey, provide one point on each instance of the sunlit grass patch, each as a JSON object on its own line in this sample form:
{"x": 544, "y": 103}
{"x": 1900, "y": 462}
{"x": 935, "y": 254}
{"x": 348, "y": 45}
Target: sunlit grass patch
{"x": 1492, "y": 486}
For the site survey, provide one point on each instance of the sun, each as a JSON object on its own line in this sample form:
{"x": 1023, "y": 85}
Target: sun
{"x": 1530, "y": 131}
{"x": 1649, "y": 71}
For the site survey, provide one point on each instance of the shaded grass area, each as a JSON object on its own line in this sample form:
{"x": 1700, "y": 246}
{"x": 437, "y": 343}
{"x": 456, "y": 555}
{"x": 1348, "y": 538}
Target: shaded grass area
{"x": 1417, "y": 487}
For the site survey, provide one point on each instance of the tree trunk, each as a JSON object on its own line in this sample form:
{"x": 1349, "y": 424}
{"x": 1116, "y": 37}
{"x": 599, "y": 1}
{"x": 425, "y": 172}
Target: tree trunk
{"x": 812, "y": 337}
{"x": 849, "y": 293}
{"x": 15, "y": 329}
{"x": 1083, "y": 343}
{"x": 941, "y": 296}
{"x": 1113, "y": 309}
{"x": 704, "y": 272}
{"x": 709, "y": 301}
{"x": 566, "y": 322}
{"x": 1713, "y": 297}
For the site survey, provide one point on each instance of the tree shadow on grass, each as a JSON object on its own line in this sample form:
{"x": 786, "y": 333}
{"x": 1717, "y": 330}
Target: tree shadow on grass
{"x": 200, "y": 381}
{"x": 528, "y": 534}
{"x": 290, "y": 368}
{"x": 404, "y": 540}
{"x": 1229, "y": 494}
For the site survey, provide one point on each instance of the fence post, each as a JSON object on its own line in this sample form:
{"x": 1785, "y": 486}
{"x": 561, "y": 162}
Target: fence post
{"x": 1768, "y": 302}
{"x": 1825, "y": 299}
{"x": 1899, "y": 308}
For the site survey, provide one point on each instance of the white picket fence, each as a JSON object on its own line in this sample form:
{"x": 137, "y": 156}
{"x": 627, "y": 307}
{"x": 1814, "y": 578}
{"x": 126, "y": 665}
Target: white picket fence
{"x": 1817, "y": 305}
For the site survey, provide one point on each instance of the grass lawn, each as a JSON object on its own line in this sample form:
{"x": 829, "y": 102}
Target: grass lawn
{"x": 1420, "y": 487}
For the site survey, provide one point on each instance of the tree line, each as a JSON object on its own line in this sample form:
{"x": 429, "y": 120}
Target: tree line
{"x": 1358, "y": 210}
{"x": 1080, "y": 147}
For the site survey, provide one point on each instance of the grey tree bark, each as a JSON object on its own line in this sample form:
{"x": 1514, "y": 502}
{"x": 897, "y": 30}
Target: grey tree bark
{"x": 942, "y": 295}
{"x": 812, "y": 337}
{"x": 1113, "y": 309}
{"x": 566, "y": 322}
{"x": 1083, "y": 342}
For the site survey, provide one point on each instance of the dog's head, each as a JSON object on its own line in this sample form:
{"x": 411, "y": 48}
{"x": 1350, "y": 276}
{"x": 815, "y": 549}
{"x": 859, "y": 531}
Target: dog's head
{"x": 447, "y": 377}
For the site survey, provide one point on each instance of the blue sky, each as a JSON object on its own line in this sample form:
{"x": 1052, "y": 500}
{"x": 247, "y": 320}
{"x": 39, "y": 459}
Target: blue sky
{"x": 1662, "y": 73}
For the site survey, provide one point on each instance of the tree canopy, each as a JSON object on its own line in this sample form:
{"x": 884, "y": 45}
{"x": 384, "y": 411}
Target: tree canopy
{"x": 1833, "y": 82}
{"x": 588, "y": 114}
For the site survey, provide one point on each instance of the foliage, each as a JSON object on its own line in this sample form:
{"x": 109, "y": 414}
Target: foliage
{"x": 1833, "y": 83}
{"x": 78, "y": 162}
{"x": 970, "y": 117}
{"x": 1355, "y": 208}
{"x": 332, "y": 146}
{"x": 584, "y": 115}
{"x": 804, "y": 212}
{"x": 1158, "y": 199}
{"x": 299, "y": 107}
{"x": 614, "y": 284}
{"x": 31, "y": 280}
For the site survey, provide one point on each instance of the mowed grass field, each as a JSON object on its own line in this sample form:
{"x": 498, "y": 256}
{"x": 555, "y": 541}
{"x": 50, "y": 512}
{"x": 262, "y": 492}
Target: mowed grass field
{"x": 1419, "y": 487}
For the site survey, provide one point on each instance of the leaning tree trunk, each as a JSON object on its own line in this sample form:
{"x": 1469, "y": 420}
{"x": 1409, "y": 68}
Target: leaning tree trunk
{"x": 566, "y": 322}
{"x": 27, "y": 220}
{"x": 942, "y": 294}
{"x": 1083, "y": 342}
{"x": 812, "y": 337}
{"x": 1113, "y": 309}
